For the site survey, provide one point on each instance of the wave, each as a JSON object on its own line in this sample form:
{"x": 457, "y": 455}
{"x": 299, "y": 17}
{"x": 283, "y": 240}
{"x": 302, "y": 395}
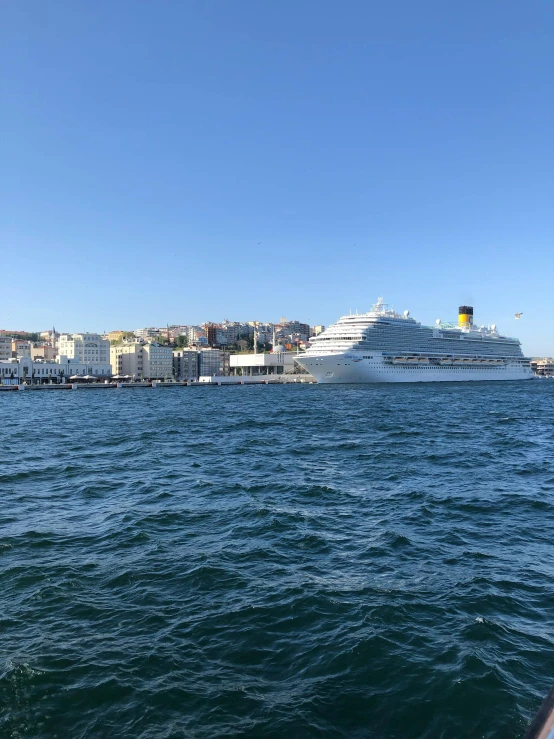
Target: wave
{"x": 365, "y": 564}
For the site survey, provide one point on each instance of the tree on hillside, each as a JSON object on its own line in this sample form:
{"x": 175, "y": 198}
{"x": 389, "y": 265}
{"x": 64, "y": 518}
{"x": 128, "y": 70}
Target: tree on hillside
{"x": 124, "y": 335}
{"x": 32, "y": 336}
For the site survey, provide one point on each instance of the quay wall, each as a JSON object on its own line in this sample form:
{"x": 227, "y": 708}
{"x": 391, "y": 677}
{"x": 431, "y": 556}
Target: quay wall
{"x": 202, "y": 382}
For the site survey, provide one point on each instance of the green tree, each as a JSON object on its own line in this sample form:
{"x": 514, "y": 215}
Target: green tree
{"x": 119, "y": 342}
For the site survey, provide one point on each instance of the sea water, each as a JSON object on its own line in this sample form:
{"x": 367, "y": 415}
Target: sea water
{"x": 276, "y": 561}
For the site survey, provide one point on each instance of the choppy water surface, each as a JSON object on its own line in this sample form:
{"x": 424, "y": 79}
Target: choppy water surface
{"x": 301, "y": 561}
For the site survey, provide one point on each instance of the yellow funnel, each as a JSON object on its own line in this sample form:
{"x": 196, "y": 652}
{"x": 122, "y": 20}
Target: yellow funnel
{"x": 465, "y": 316}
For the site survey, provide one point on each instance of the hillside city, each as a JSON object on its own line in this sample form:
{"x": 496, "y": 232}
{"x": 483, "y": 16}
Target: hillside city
{"x": 171, "y": 353}
{"x": 176, "y": 352}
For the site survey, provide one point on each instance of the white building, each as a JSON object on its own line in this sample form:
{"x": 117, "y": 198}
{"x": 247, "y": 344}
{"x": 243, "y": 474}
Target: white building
{"x": 127, "y": 359}
{"x": 316, "y": 330}
{"x": 75, "y": 368}
{"x": 10, "y": 371}
{"x": 194, "y": 333}
{"x": 142, "y": 361}
{"x": 5, "y": 348}
{"x": 145, "y": 333}
{"x": 277, "y": 363}
{"x": 24, "y": 370}
{"x": 88, "y": 349}
{"x": 543, "y": 367}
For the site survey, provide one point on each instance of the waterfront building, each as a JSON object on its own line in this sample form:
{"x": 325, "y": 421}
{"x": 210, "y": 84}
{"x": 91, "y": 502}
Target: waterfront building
{"x": 42, "y": 371}
{"x": 127, "y": 359}
{"x": 316, "y": 330}
{"x": 74, "y": 367}
{"x": 277, "y": 363}
{"x": 24, "y": 370}
{"x": 85, "y": 348}
{"x": 9, "y": 371}
{"x": 185, "y": 364}
{"x": 158, "y": 361}
{"x": 212, "y": 362}
{"x": 142, "y": 361}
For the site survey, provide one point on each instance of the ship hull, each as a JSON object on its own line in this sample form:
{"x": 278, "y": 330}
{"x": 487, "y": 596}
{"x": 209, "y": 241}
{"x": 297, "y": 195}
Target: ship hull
{"x": 347, "y": 368}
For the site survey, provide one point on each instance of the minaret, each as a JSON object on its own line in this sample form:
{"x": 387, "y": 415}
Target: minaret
{"x": 273, "y": 340}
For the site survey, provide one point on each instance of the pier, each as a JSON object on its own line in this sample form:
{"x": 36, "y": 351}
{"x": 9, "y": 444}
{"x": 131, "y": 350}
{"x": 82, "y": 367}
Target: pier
{"x": 215, "y": 381}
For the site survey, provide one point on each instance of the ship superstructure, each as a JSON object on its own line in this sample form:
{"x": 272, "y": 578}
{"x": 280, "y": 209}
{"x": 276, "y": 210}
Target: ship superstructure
{"x": 385, "y": 346}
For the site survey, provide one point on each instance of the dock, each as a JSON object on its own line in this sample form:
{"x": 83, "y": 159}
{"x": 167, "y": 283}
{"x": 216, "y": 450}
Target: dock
{"x": 215, "y": 381}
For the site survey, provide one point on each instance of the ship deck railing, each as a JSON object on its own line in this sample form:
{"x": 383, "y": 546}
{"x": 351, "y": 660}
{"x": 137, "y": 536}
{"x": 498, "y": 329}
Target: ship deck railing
{"x": 425, "y": 355}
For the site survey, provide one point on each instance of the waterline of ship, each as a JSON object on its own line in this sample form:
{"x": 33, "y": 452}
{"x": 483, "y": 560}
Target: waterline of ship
{"x": 385, "y": 346}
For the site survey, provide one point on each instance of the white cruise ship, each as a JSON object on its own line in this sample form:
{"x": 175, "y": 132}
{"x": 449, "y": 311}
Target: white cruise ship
{"x": 384, "y": 346}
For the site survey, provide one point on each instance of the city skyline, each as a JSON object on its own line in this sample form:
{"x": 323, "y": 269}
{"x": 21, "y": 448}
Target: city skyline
{"x": 168, "y": 163}
{"x": 546, "y": 341}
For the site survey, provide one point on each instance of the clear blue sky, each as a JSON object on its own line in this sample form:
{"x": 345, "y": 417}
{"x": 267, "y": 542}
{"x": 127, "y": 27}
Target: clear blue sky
{"x": 402, "y": 148}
